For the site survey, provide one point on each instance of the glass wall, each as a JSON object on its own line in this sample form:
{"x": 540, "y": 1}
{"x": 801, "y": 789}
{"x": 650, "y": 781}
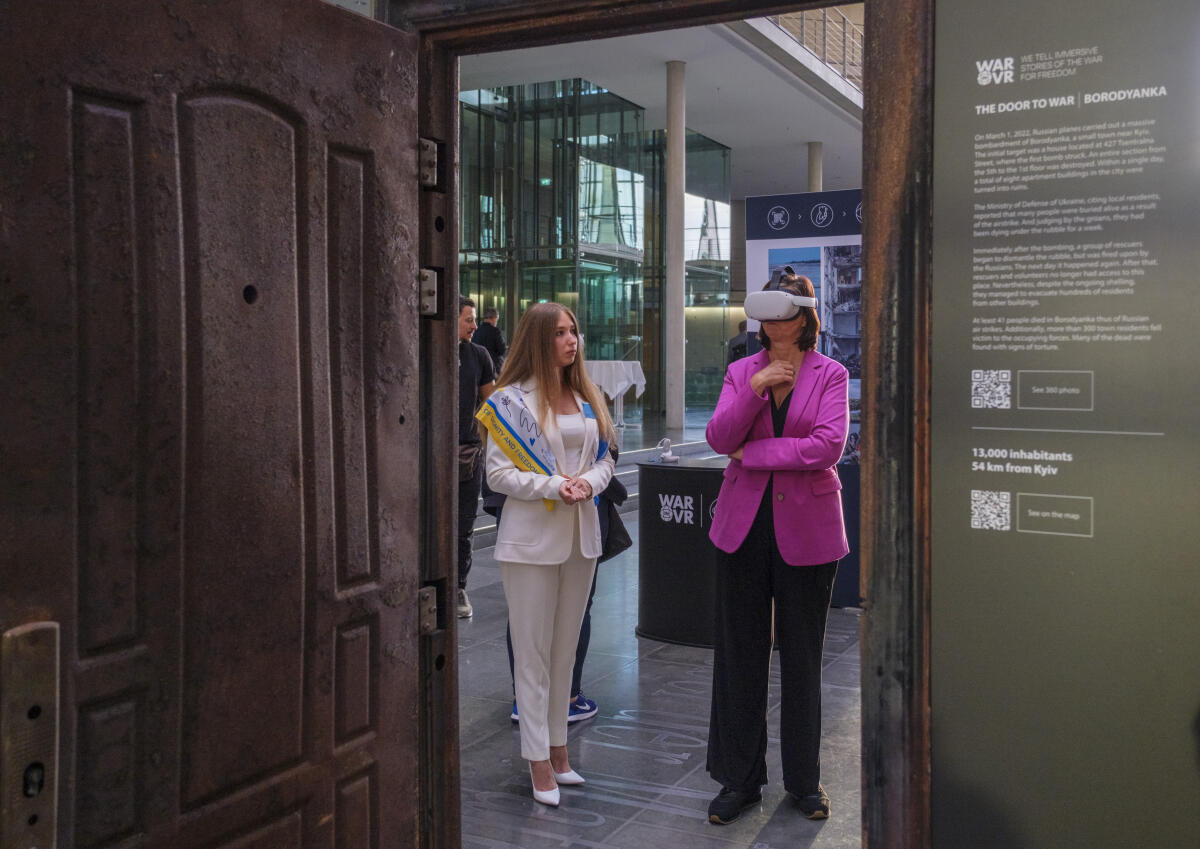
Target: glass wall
{"x": 561, "y": 200}
{"x": 485, "y": 185}
{"x": 553, "y": 208}
{"x": 708, "y": 320}
{"x": 706, "y": 280}
{"x": 612, "y": 212}
{"x": 518, "y": 190}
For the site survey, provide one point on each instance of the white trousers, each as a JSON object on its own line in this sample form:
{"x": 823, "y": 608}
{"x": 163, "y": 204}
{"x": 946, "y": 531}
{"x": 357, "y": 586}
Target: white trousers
{"x": 545, "y": 609}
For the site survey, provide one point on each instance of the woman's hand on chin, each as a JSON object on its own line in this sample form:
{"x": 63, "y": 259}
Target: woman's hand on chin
{"x": 775, "y": 373}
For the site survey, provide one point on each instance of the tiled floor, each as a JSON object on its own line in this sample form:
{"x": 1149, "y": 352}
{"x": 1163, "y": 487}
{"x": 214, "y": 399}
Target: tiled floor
{"x": 643, "y": 754}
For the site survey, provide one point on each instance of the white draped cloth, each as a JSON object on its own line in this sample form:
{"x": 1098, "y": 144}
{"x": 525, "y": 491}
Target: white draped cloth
{"x": 614, "y": 377}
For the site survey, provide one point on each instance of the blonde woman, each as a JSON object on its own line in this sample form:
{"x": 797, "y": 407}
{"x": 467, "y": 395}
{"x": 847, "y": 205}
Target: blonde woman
{"x": 549, "y": 433}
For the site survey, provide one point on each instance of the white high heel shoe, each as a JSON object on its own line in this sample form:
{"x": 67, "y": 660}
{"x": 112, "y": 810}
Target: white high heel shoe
{"x": 546, "y": 797}
{"x": 568, "y": 777}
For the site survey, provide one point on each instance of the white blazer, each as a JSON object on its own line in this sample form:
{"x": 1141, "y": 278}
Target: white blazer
{"x": 528, "y": 532}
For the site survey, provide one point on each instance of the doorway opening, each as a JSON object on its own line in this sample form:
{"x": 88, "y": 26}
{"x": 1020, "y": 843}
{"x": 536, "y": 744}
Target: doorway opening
{"x": 562, "y": 196}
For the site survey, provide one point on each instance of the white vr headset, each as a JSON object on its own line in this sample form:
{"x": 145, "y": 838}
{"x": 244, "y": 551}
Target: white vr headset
{"x": 776, "y": 305}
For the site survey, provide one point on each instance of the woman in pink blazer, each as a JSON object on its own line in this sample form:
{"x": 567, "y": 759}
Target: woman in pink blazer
{"x": 783, "y": 417}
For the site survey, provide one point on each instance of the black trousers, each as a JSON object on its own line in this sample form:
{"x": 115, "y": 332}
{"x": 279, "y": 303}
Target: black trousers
{"x": 468, "y": 502}
{"x": 748, "y": 580}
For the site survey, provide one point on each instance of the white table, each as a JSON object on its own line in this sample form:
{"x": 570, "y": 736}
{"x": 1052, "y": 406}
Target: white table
{"x": 614, "y": 377}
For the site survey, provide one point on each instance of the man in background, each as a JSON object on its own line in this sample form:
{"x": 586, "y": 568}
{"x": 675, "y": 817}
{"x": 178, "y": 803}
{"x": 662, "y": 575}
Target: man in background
{"x": 491, "y": 337}
{"x": 742, "y": 345}
{"x": 476, "y": 380}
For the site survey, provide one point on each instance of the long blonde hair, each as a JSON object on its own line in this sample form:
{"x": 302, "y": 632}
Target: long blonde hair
{"x": 532, "y": 354}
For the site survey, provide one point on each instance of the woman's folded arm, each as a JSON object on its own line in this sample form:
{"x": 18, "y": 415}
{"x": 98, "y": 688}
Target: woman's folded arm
{"x": 821, "y": 449}
{"x": 505, "y": 478}
{"x": 737, "y": 408}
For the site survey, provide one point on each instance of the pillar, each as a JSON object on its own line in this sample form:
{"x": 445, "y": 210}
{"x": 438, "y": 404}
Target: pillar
{"x": 814, "y": 167}
{"x": 674, "y": 331}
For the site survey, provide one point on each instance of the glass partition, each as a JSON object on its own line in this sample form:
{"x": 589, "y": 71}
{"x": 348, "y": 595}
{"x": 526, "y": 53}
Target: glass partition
{"x": 708, "y": 320}
{"x": 561, "y": 193}
{"x": 553, "y": 208}
{"x": 706, "y": 298}
{"x": 706, "y": 270}
{"x": 611, "y": 224}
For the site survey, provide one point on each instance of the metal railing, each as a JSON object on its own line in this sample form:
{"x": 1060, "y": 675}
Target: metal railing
{"x": 831, "y": 36}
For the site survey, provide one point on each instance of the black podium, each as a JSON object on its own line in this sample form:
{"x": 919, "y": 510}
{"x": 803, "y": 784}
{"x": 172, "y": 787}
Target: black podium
{"x": 677, "y": 561}
{"x": 845, "y": 585}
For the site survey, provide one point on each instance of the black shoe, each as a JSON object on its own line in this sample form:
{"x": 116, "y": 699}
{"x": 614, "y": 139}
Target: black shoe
{"x": 815, "y": 806}
{"x": 730, "y": 803}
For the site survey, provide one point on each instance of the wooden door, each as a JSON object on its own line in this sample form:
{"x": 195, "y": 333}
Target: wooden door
{"x": 208, "y": 427}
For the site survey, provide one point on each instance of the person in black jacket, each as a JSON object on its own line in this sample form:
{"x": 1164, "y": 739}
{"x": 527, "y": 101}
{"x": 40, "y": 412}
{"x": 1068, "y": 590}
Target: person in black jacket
{"x": 491, "y": 337}
{"x": 476, "y": 380}
{"x": 742, "y": 345}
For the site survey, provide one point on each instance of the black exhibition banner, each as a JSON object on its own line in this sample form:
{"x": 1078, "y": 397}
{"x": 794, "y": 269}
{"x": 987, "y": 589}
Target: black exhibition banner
{"x": 1065, "y": 636}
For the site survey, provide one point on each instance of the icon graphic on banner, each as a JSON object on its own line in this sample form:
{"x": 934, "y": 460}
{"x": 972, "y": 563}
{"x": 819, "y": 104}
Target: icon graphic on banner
{"x": 821, "y": 215}
{"x": 858, "y": 212}
{"x": 778, "y": 218}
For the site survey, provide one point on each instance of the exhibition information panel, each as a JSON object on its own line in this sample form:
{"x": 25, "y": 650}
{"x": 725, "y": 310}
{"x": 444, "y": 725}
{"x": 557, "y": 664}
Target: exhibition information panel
{"x": 1066, "y": 353}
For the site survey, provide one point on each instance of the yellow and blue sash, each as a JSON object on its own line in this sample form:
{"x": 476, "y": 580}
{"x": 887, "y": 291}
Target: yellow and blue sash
{"x": 602, "y": 450}
{"x": 514, "y": 426}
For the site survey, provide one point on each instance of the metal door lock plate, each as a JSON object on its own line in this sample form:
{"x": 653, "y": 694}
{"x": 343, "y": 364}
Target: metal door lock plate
{"x": 29, "y": 705}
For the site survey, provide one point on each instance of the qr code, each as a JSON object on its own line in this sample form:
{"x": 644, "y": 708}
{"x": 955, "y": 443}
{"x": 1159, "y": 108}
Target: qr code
{"x": 991, "y": 511}
{"x": 991, "y": 389}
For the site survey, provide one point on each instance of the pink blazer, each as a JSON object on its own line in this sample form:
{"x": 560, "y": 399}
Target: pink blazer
{"x": 807, "y": 504}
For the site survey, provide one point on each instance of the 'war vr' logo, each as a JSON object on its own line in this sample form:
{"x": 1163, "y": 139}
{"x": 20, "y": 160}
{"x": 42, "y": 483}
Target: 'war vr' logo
{"x": 676, "y": 508}
{"x": 994, "y": 71}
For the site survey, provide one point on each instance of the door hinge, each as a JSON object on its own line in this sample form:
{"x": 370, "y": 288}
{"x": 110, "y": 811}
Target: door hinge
{"x": 427, "y": 163}
{"x": 427, "y": 285}
{"x": 427, "y": 610}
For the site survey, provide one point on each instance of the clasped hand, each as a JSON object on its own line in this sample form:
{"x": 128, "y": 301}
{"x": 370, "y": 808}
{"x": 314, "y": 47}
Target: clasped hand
{"x": 574, "y": 490}
{"x": 774, "y": 373}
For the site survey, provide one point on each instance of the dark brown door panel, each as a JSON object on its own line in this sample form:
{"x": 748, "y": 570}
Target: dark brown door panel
{"x": 208, "y": 333}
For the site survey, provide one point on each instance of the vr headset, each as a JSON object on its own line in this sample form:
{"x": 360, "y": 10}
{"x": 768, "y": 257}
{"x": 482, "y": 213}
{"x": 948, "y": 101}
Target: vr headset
{"x": 776, "y": 305}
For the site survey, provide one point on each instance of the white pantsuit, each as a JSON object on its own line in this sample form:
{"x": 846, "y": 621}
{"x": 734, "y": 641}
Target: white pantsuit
{"x": 545, "y": 610}
{"x": 547, "y": 559}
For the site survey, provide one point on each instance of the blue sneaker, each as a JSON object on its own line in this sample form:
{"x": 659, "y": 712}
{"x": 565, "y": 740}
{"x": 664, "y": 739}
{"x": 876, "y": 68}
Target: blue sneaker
{"x": 514, "y": 716}
{"x": 581, "y": 708}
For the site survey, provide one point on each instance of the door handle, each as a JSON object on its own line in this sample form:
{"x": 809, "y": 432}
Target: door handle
{"x": 29, "y": 708}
